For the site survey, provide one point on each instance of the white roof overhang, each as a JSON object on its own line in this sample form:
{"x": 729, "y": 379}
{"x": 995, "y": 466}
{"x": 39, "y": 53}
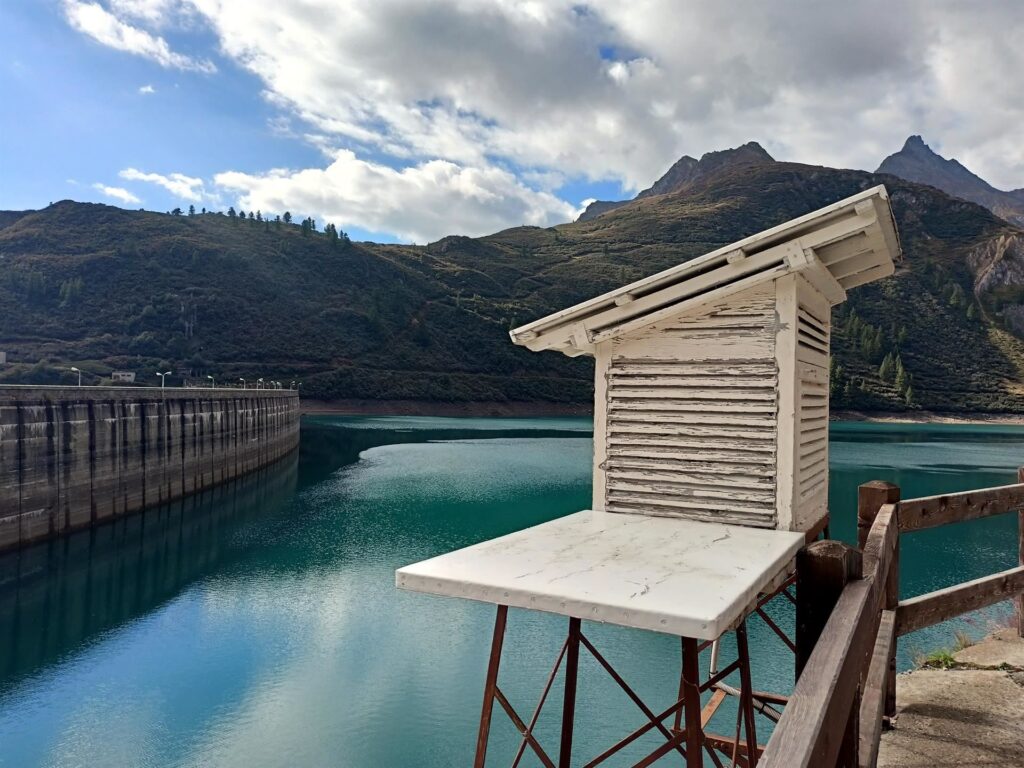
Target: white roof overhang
{"x": 841, "y": 246}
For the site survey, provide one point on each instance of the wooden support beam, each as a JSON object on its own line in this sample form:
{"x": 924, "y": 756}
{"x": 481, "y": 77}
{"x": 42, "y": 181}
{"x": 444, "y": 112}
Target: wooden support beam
{"x": 834, "y": 605}
{"x": 881, "y": 564}
{"x": 931, "y": 511}
{"x": 892, "y": 599}
{"x": 935, "y": 607}
{"x": 874, "y": 696}
{"x": 815, "y": 729}
{"x": 881, "y": 545}
{"x": 823, "y": 569}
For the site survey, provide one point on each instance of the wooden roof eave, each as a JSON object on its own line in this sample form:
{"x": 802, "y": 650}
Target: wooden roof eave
{"x": 718, "y": 274}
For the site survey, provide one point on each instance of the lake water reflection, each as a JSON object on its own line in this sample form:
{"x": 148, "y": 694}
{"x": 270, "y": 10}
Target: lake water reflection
{"x": 258, "y": 625}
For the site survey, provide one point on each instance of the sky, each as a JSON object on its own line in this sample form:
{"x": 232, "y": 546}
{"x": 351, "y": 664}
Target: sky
{"x": 407, "y": 120}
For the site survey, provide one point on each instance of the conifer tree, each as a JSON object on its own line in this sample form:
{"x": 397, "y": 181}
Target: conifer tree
{"x": 836, "y": 377}
{"x": 231, "y": 212}
{"x": 332, "y": 234}
{"x": 191, "y": 210}
{"x": 902, "y": 377}
{"x": 887, "y": 370}
{"x": 287, "y": 217}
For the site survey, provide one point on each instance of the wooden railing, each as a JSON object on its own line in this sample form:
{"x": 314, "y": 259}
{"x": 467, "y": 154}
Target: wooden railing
{"x": 849, "y": 617}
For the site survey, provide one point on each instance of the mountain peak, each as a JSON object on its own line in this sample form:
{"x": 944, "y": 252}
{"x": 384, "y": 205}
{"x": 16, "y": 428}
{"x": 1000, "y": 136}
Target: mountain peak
{"x": 919, "y": 163}
{"x": 915, "y": 142}
{"x": 687, "y": 170}
{"x": 749, "y": 152}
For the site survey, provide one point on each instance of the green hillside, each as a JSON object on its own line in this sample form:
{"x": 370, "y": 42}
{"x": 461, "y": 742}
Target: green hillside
{"x": 109, "y": 289}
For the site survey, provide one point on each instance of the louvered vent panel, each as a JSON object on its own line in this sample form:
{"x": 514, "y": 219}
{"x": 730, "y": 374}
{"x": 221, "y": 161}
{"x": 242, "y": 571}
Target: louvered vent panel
{"x": 812, "y": 340}
{"x": 696, "y": 438}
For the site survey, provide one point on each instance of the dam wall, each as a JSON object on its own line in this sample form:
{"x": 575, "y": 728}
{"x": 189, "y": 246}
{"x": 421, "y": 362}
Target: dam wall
{"x": 72, "y": 457}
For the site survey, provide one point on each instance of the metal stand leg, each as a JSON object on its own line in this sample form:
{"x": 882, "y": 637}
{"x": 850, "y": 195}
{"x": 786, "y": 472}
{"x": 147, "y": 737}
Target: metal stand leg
{"x": 572, "y": 658}
{"x": 490, "y": 687}
{"x": 690, "y": 719}
{"x": 691, "y": 704}
{"x": 747, "y": 694}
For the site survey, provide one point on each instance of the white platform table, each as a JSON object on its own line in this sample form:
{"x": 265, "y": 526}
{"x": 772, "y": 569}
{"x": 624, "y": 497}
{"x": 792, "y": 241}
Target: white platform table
{"x": 681, "y": 577}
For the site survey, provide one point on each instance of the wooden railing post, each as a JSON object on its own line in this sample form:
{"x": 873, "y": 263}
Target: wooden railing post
{"x": 1020, "y": 558}
{"x": 823, "y": 569}
{"x": 870, "y": 498}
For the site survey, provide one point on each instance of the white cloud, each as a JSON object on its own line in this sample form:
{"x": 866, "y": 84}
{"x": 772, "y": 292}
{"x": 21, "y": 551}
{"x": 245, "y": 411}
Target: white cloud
{"x": 469, "y": 80}
{"x": 511, "y": 97}
{"x": 92, "y": 19}
{"x": 117, "y": 193}
{"x": 419, "y": 203}
{"x": 153, "y": 12}
{"x": 147, "y": 89}
{"x": 178, "y": 184}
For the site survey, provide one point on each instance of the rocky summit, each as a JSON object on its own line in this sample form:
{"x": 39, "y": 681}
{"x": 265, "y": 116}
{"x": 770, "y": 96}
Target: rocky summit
{"x": 919, "y": 163}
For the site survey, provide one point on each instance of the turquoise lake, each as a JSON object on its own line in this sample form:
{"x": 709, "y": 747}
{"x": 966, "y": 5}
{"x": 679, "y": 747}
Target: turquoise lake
{"x": 258, "y": 626}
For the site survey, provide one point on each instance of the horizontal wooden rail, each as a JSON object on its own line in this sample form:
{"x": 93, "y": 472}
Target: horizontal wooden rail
{"x": 943, "y": 604}
{"x": 811, "y": 730}
{"x": 872, "y": 703}
{"x": 931, "y": 511}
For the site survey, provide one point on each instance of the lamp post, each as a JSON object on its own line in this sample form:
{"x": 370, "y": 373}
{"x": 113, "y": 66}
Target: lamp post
{"x": 79, "y": 372}
{"x": 212, "y": 382}
{"x": 243, "y": 381}
{"x": 163, "y": 378}
{"x": 258, "y": 382}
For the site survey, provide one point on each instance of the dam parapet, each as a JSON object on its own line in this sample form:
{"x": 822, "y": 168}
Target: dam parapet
{"x": 72, "y": 457}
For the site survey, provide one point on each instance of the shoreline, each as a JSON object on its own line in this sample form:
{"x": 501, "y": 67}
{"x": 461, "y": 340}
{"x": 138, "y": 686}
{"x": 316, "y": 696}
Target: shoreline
{"x": 928, "y": 417}
{"x": 514, "y": 409}
{"x": 425, "y": 408}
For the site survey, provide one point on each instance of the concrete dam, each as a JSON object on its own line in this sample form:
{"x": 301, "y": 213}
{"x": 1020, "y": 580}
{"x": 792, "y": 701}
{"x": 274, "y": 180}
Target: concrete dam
{"x": 72, "y": 457}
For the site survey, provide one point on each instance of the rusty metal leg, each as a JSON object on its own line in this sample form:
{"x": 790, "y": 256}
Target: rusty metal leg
{"x": 691, "y": 694}
{"x": 747, "y": 693}
{"x": 572, "y": 659}
{"x": 677, "y": 723}
{"x": 490, "y": 686}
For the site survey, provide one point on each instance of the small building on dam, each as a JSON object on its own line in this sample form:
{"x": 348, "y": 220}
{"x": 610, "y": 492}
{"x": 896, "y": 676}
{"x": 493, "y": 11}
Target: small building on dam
{"x": 72, "y": 457}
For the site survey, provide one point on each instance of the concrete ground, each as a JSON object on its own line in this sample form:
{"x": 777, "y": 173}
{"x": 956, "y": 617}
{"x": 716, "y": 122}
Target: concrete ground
{"x": 969, "y": 715}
